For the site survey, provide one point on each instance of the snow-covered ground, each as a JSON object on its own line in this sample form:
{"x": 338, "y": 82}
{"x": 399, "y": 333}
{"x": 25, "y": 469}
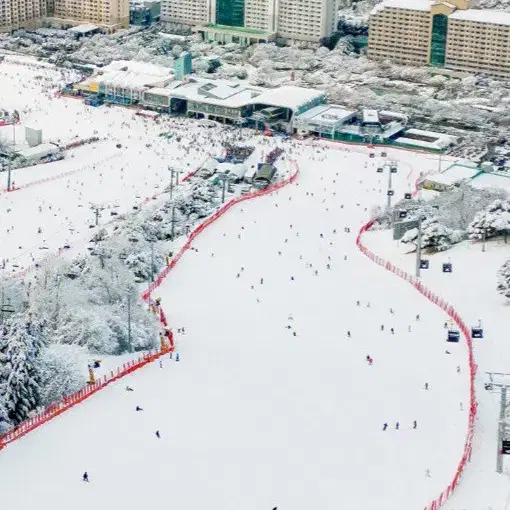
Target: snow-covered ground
{"x": 252, "y": 416}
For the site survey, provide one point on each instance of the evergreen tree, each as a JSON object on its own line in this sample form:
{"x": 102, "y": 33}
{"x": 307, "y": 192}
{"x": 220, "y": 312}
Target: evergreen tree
{"x": 504, "y": 279}
{"x": 19, "y": 375}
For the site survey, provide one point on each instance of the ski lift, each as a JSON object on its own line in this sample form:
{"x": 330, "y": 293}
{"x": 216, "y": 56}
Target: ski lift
{"x": 393, "y": 168}
{"x": 402, "y": 214}
{"x": 424, "y": 264}
{"x": 380, "y": 169}
{"x": 477, "y": 331}
{"x": 383, "y": 154}
{"x": 408, "y": 195}
{"x": 453, "y": 334}
{"x": 447, "y": 267}
{"x": 390, "y": 192}
{"x": 372, "y": 155}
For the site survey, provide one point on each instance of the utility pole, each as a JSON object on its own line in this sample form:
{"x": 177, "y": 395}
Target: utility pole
{"x": 502, "y": 422}
{"x": 173, "y": 173}
{"x": 224, "y": 181}
{"x": 9, "y": 170}
{"x": 484, "y": 237}
{"x": 418, "y": 248}
{"x": 388, "y": 205}
{"x": 172, "y": 233}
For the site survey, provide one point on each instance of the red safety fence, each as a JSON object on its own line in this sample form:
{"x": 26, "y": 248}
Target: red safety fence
{"x": 420, "y": 287}
{"x": 70, "y": 401}
{"x": 209, "y": 221}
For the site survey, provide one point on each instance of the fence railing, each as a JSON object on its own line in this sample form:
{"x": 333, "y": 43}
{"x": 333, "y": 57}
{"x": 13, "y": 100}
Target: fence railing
{"x": 70, "y": 401}
{"x": 449, "y": 309}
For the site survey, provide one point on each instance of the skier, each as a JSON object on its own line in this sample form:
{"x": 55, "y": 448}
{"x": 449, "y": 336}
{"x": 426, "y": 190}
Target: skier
{"x": 382, "y": 327}
{"x": 357, "y": 303}
{"x": 177, "y": 357}
{"x": 418, "y": 317}
{"x": 392, "y": 331}
{"x": 348, "y": 334}
{"x": 385, "y": 426}
{"x": 391, "y": 311}
{"x": 426, "y": 385}
{"x": 409, "y": 329}
{"x": 128, "y": 388}
{"x": 160, "y": 364}
{"x": 427, "y": 473}
{"x": 397, "y": 426}
{"x": 157, "y": 434}
{"x": 85, "y": 477}
{"x": 458, "y": 369}
{"x": 415, "y": 425}
{"x": 261, "y": 281}
{"x": 138, "y": 408}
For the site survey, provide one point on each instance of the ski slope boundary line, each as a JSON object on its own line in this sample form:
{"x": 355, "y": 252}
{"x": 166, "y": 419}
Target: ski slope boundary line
{"x": 70, "y": 401}
{"x": 450, "y": 310}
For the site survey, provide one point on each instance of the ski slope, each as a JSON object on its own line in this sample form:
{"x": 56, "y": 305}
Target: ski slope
{"x": 252, "y": 416}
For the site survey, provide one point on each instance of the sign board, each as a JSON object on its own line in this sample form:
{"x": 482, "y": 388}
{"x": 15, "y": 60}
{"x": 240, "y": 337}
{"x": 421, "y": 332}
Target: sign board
{"x": 401, "y": 227}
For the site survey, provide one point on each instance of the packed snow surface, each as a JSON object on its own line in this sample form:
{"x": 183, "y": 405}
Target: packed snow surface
{"x": 252, "y": 416}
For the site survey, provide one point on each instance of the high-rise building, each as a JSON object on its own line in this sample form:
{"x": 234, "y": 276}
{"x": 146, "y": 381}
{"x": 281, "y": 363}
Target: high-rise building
{"x": 254, "y": 20}
{"x": 15, "y": 14}
{"x": 187, "y": 12}
{"x": 306, "y": 20}
{"x": 107, "y": 14}
{"x": 441, "y": 34}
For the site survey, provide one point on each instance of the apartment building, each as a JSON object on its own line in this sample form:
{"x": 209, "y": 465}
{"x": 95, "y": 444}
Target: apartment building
{"x": 306, "y": 20}
{"x": 254, "y": 20}
{"x": 441, "y": 34}
{"x": 110, "y": 15}
{"x": 16, "y": 14}
{"x": 186, "y": 12}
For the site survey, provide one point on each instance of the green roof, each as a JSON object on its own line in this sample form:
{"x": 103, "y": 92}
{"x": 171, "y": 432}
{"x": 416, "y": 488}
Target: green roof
{"x": 236, "y": 29}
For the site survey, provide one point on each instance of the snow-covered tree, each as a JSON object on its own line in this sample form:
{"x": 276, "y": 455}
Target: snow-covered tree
{"x": 19, "y": 372}
{"x": 504, "y": 279}
{"x": 434, "y": 235}
{"x": 61, "y": 372}
{"x": 493, "y": 221}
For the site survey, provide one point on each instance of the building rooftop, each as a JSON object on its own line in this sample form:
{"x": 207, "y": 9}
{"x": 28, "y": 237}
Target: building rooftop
{"x": 491, "y": 181}
{"x": 236, "y": 29}
{"x": 455, "y": 174}
{"x": 288, "y": 96}
{"x": 483, "y": 16}
{"x": 84, "y": 29}
{"x": 326, "y": 114}
{"x": 414, "y": 5}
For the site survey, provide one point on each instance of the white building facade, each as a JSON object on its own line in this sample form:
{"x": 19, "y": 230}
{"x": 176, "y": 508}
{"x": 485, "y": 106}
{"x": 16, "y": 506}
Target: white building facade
{"x": 294, "y": 20}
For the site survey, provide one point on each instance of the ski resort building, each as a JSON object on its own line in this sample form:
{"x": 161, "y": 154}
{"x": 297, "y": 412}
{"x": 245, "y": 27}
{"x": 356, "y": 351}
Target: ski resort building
{"x": 441, "y": 34}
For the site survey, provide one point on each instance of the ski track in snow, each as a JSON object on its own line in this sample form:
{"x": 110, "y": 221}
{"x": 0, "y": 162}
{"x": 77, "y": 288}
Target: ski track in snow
{"x": 252, "y": 416}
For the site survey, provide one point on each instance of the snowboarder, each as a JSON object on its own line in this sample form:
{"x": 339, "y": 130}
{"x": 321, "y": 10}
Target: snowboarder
{"x": 158, "y": 434}
{"x": 397, "y": 426}
{"x": 85, "y": 477}
{"x": 382, "y": 327}
{"x": 128, "y": 388}
{"x": 348, "y": 334}
{"x": 138, "y": 408}
{"x": 160, "y": 364}
{"x": 418, "y": 317}
{"x": 385, "y": 426}
{"x": 392, "y": 331}
{"x": 177, "y": 357}
{"x": 357, "y": 303}
{"x": 261, "y": 281}
{"x": 426, "y": 385}
{"x": 427, "y": 473}
{"x": 415, "y": 425}
{"x": 409, "y": 329}
{"x": 458, "y": 369}
{"x": 391, "y": 311}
